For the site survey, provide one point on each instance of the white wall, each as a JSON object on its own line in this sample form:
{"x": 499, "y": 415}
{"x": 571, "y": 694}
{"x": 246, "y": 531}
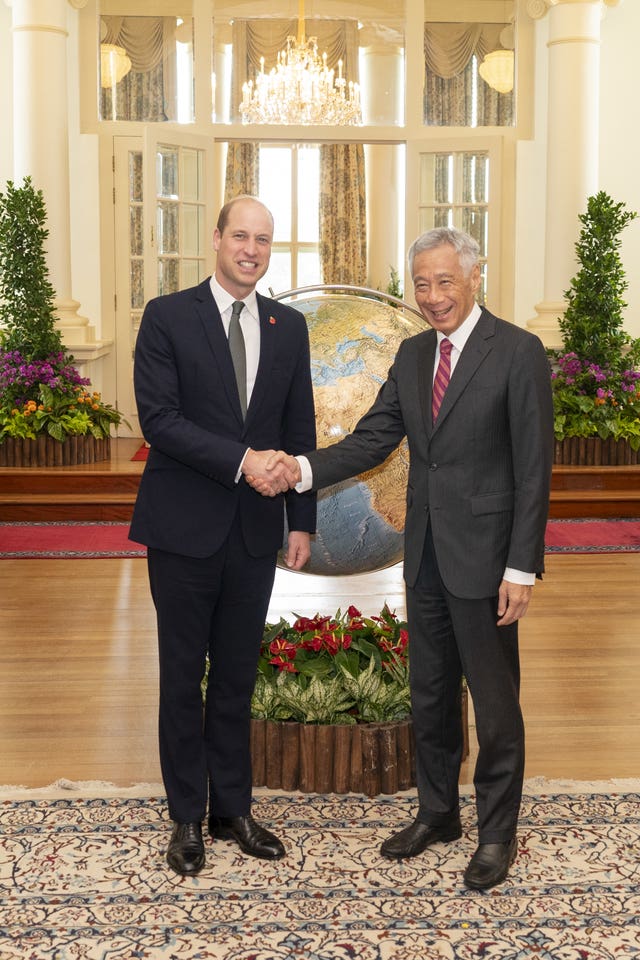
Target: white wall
{"x": 83, "y": 161}
{"x": 619, "y": 149}
{"x": 6, "y": 96}
{"x": 531, "y": 178}
{"x": 620, "y": 137}
{"x": 85, "y": 207}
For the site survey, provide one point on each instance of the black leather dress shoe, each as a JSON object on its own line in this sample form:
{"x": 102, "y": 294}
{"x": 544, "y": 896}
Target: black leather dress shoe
{"x": 249, "y": 835}
{"x": 185, "y": 853}
{"x": 414, "y": 839}
{"x": 490, "y": 864}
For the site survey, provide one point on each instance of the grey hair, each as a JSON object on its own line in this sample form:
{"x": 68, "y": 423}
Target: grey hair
{"x": 465, "y": 246}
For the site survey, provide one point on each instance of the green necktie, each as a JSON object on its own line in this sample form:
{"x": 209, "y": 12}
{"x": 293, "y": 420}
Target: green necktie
{"x": 238, "y": 353}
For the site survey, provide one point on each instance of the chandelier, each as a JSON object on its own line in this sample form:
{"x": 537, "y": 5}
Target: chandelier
{"x": 301, "y": 88}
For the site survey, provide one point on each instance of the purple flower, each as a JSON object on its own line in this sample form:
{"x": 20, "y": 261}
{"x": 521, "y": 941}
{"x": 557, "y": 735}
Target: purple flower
{"x": 21, "y": 380}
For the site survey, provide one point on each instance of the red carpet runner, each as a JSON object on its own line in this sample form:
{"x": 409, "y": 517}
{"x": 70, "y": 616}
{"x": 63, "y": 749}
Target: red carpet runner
{"x": 68, "y": 540}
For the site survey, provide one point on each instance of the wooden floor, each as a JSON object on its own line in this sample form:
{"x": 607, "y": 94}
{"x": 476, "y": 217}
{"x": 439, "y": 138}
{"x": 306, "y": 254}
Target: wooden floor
{"x": 78, "y": 665}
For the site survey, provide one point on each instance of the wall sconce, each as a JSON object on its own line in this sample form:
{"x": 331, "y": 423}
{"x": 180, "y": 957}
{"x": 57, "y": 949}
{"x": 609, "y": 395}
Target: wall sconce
{"x": 497, "y": 70}
{"x": 114, "y": 64}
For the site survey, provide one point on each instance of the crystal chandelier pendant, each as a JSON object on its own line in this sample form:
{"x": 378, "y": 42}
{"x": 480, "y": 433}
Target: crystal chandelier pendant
{"x": 301, "y": 89}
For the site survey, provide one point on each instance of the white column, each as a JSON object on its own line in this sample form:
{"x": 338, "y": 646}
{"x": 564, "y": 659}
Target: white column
{"x": 572, "y": 144}
{"x": 41, "y": 139}
{"x": 382, "y": 103}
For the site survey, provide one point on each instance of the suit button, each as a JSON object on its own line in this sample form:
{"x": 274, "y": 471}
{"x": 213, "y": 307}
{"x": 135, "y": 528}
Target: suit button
{"x": 433, "y": 466}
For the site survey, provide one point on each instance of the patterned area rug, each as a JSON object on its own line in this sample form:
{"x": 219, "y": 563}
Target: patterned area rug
{"x": 85, "y": 879}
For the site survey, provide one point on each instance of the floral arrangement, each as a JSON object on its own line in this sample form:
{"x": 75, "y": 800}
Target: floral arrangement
{"x": 49, "y": 397}
{"x": 41, "y": 392}
{"x": 342, "y": 669}
{"x": 596, "y": 376}
{"x": 590, "y": 400}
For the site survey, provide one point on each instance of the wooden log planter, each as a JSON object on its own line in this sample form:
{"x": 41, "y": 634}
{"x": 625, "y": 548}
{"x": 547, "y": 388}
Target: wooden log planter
{"x": 44, "y": 451}
{"x": 594, "y": 452}
{"x": 368, "y": 758}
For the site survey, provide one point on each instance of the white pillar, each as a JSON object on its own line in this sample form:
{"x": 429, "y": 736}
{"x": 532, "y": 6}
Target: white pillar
{"x": 41, "y": 139}
{"x": 572, "y": 145}
{"x": 382, "y": 103}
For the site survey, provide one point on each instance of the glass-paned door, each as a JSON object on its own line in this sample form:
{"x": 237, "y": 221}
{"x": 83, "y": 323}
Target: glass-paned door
{"x": 163, "y": 228}
{"x": 179, "y": 252}
{"x": 454, "y": 192}
{"x": 129, "y": 233}
{"x": 459, "y": 187}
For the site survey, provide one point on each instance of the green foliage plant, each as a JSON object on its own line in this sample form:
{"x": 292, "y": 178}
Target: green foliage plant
{"x": 41, "y": 392}
{"x": 595, "y": 377}
{"x": 343, "y": 669}
{"x": 394, "y": 287}
{"x": 27, "y": 313}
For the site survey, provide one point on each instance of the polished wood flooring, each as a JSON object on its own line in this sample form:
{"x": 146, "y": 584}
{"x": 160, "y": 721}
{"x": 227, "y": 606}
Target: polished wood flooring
{"x": 78, "y": 666}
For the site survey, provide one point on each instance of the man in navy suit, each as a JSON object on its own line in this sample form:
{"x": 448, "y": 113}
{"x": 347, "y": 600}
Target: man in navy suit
{"x": 212, "y": 540}
{"x": 473, "y": 397}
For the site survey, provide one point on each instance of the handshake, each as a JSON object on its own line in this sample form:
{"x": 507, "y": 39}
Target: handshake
{"x": 271, "y": 471}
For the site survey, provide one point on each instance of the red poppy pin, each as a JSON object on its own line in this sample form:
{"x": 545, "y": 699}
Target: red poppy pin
{"x": 272, "y": 320}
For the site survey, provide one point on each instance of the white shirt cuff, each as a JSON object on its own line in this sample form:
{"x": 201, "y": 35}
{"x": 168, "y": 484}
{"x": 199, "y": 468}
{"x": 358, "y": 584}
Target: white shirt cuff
{"x": 307, "y": 475}
{"x": 519, "y": 576}
{"x": 239, "y": 473}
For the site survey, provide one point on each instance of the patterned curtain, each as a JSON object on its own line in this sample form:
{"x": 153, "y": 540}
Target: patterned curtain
{"x": 148, "y": 91}
{"x": 242, "y": 170}
{"x": 343, "y": 243}
{"x": 451, "y": 76}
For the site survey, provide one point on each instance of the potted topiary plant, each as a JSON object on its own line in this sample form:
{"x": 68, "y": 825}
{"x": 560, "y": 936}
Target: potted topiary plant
{"x": 595, "y": 377}
{"x": 48, "y": 415}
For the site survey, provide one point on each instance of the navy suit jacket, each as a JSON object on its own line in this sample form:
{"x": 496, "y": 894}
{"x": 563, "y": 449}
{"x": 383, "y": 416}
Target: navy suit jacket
{"x": 481, "y": 476}
{"x": 190, "y": 414}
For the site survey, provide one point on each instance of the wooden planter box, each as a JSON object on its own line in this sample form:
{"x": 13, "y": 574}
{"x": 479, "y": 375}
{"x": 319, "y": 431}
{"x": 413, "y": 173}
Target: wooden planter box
{"x": 368, "y": 758}
{"x": 46, "y": 452}
{"x": 594, "y": 452}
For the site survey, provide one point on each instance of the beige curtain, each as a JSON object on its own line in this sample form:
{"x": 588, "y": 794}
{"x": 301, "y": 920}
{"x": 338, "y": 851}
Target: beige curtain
{"x": 343, "y": 247}
{"x": 242, "y": 170}
{"x": 148, "y": 91}
{"x": 450, "y": 79}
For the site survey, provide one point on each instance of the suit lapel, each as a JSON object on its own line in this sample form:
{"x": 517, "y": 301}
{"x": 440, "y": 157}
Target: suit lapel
{"x": 267, "y": 353}
{"x": 475, "y": 350}
{"x": 426, "y": 360}
{"x": 209, "y": 314}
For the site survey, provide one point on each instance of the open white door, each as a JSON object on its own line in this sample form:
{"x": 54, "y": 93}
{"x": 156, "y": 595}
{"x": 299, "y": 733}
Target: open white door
{"x": 163, "y": 233}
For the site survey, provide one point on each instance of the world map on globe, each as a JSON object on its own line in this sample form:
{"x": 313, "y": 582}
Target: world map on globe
{"x": 353, "y": 341}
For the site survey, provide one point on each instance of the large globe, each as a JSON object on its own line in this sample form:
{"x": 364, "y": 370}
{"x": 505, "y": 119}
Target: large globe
{"x": 354, "y": 339}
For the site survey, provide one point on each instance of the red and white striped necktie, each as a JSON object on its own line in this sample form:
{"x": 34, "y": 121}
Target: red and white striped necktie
{"x": 443, "y": 373}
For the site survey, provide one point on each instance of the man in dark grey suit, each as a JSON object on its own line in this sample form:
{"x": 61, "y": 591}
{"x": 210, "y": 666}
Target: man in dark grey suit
{"x": 473, "y": 397}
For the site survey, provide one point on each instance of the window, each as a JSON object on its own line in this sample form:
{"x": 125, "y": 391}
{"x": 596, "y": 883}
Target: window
{"x": 469, "y": 74}
{"x": 454, "y": 192}
{"x": 289, "y": 184}
{"x": 146, "y": 69}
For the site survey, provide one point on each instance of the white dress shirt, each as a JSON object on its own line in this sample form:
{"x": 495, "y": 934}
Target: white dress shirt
{"x": 249, "y": 324}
